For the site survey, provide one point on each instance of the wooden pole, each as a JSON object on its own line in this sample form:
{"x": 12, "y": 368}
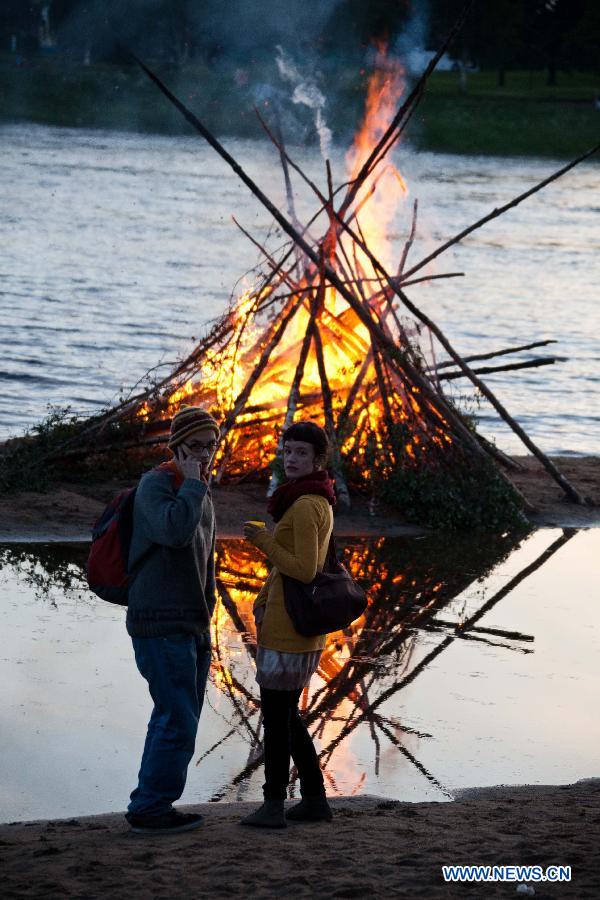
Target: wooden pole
{"x": 241, "y": 400}
{"x": 566, "y": 486}
{"x": 493, "y": 353}
{"x": 502, "y": 209}
{"x": 387, "y": 412}
{"x": 571, "y": 493}
{"x": 411, "y": 237}
{"x": 507, "y": 461}
{"x": 489, "y": 370}
{"x": 563, "y": 482}
{"x": 349, "y": 297}
{"x": 366, "y": 318}
{"x": 430, "y": 657}
{"x": 387, "y": 139}
{"x": 293, "y": 395}
{"x": 568, "y": 489}
{"x": 343, "y": 494}
{"x": 343, "y": 416}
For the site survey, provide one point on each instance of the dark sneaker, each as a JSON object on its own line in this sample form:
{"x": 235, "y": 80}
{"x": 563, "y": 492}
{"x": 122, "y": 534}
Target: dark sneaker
{"x": 173, "y": 822}
{"x": 269, "y": 815}
{"x": 310, "y": 809}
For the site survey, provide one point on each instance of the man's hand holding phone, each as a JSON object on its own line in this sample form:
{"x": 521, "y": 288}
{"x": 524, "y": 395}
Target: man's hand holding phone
{"x": 189, "y": 465}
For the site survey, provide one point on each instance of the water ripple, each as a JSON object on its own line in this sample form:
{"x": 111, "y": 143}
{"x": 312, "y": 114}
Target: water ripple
{"x": 116, "y": 248}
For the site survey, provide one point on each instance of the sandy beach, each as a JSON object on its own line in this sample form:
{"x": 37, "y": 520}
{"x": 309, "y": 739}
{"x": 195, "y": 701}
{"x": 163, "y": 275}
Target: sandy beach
{"x": 373, "y": 848}
{"x": 67, "y": 511}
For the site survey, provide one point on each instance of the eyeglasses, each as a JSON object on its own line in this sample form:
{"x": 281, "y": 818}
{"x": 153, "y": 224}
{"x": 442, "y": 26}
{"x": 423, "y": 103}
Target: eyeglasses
{"x": 198, "y": 447}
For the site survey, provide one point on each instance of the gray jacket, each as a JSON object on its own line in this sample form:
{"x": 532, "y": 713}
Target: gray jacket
{"x": 172, "y": 558}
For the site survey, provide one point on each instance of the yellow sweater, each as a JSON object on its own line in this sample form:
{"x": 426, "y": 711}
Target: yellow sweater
{"x": 298, "y": 548}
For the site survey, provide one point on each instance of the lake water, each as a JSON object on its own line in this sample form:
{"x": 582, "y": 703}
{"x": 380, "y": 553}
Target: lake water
{"x": 405, "y": 706}
{"x": 117, "y": 249}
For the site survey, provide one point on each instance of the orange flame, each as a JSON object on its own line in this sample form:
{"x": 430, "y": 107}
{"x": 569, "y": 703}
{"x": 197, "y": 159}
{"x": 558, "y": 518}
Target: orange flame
{"x": 346, "y": 342}
{"x": 386, "y": 86}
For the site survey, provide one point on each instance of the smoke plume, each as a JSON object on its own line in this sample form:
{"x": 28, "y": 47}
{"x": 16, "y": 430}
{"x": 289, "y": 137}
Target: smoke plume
{"x": 306, "y": 93}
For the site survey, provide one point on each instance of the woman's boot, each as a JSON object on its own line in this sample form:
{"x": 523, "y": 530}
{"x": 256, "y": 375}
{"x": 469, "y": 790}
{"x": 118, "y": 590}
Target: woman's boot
{"x": 269, "y": 815}
{"x": 311, "y": 809}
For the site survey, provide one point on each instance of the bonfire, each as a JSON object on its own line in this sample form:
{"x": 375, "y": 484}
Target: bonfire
{"x": 297, "y": 346}
{"x": 327, "y": 332}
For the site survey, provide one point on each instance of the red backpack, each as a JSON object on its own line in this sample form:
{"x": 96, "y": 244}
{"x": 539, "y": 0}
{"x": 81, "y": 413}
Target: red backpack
{"x": 107, "y": 573}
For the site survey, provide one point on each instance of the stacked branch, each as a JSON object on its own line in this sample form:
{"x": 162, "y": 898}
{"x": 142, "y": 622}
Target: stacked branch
{"x": 337, "y": 351}
{"x": 320, "y": 337}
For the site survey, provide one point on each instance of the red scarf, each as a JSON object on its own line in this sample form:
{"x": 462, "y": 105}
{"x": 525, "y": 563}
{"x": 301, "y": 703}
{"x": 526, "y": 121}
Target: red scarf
{"x": 317, "y": 482}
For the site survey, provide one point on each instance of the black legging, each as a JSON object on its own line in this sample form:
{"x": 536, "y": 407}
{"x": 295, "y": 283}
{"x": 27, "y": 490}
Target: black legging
{"x": 286, "y": 735}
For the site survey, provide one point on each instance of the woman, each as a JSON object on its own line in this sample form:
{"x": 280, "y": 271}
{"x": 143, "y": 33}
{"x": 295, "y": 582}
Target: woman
{"x": 285, "y": 660}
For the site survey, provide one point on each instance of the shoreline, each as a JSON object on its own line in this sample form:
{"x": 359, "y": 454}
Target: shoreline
{"x": 67, "y": 511}
{"x": 526, "y": 118}
{"x": 406, "y": 845}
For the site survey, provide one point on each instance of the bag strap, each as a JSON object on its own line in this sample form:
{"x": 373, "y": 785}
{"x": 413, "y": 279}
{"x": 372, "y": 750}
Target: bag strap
{"x": 331, "y": 558}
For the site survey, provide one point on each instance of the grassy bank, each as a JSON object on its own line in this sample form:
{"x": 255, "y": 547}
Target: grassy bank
{"x": 109, "y": 96}
{"x": 505, "y": 127}
{"x": 580, "y": 87}
{"x": 524, "y": 117}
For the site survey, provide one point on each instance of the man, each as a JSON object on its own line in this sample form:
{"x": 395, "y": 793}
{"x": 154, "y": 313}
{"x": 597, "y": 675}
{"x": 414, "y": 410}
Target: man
{"x": 171, "y": 600}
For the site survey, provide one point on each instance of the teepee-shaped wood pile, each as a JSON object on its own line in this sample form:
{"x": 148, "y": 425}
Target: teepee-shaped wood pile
{"x": 328, "y": 333}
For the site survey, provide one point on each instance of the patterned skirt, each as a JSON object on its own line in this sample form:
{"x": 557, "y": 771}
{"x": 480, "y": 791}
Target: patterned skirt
{"x": 280, "y": 671}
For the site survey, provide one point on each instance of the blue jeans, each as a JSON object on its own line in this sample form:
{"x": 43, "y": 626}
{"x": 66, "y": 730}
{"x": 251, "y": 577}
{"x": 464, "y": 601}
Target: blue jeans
{"x": 176, "y": 669}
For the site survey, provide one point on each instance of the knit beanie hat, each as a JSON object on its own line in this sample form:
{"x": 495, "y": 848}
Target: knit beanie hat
{"x": 189, "y": 419}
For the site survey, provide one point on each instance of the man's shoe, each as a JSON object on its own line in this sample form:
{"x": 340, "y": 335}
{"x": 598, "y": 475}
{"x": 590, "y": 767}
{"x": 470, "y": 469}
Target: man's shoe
{"x": 172, "y": 822}
{"x": 311, "y": 809}
{"x": 269, "y": 815}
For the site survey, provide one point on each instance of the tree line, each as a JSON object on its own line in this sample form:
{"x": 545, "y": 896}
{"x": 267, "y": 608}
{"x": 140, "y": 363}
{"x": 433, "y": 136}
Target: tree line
{"x": 555, "y": 35}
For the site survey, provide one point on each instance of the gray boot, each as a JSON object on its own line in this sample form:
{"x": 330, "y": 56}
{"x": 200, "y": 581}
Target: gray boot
{"x": 311, "y": 809}
{"x": 269, "y": 815}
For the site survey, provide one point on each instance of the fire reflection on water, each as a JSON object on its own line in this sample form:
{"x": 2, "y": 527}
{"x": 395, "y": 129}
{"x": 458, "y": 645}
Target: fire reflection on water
{"x": 424, "y": 596}
{"x": 408, "y": 584}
